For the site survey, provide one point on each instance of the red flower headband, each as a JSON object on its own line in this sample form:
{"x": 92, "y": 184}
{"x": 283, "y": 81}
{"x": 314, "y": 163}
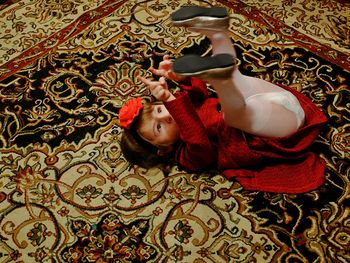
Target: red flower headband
{"x": 129, "y": 112}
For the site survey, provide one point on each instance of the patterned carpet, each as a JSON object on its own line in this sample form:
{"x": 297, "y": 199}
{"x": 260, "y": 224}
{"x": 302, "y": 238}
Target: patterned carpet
{"x": 68, "y": 195}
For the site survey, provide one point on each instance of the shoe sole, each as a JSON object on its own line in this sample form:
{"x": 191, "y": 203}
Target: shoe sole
{"x": 201, "y": 17}
{"x": 219, "y": 66}
{"x": 188, "y": 12}
{"x": 217, "y": 73}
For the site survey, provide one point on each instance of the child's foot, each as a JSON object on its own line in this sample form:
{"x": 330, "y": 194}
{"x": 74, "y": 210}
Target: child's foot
{"x": 217, "y": 66}
{"x": 201, "y": 17}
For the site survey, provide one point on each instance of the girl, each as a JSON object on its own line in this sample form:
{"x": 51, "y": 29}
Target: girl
{"x": 255, "y": 131}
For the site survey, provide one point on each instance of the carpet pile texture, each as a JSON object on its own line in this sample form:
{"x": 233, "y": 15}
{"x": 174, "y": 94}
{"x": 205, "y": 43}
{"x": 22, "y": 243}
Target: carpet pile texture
{"x": 68, "y": 195}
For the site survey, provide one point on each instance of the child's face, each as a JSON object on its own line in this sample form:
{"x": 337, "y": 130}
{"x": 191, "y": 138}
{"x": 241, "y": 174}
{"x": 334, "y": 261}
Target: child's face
{"x": 160, "y": 129}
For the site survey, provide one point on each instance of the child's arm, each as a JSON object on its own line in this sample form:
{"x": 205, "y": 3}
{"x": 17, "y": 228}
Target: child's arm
{"x": 197, "y": 152}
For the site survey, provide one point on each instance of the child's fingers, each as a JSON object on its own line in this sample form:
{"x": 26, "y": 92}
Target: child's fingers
{"x": 151, "y": 84}
{"x": 172, "y": 75}
{"x": 165, "y": 64}
{"x": 157, "y": 72}
{"x": 153, "y": 70}
{"x": 163, "y": 82}
{"x": 163, "y": 68}
{"x": 157, "y": 88}
{"x": 156, "y": 91}
{"x": 160, "y": 93}
{"x": 144, "y": 80}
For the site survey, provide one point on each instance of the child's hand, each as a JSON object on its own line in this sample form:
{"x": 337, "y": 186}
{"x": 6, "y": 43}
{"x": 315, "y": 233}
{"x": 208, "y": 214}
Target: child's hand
{"x": 159, "y": 89}
{"x": 165, "y": 70}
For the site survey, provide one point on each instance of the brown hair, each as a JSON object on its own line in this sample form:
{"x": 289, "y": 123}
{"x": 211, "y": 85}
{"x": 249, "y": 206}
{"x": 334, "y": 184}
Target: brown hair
{"x": 135, "y": 149}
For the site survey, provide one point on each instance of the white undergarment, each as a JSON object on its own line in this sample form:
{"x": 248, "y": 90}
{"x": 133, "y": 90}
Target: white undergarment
{"x": 287, "y": 100}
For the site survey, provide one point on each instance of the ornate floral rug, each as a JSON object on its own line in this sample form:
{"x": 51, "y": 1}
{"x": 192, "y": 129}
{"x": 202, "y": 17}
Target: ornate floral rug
{"x": 68, "y": 195}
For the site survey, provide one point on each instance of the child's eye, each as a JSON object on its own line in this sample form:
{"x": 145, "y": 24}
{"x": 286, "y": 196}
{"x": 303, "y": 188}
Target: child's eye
{"x": 159, "y": 126}
{"x": 159, "y": 109}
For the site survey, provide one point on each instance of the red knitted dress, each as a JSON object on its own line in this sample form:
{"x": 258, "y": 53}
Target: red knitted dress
{"x": 257, "y": 163}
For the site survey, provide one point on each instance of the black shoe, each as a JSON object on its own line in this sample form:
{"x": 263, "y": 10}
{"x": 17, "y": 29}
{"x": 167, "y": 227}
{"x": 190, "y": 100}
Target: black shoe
{"x": 201, "y": 17}
{"x": 217, "y": 66}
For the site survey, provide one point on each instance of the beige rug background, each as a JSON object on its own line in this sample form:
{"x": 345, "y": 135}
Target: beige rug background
{"x": 68, "y": 195}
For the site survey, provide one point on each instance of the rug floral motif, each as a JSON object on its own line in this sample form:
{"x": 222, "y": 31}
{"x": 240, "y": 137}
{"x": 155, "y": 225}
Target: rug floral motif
{"x": 68, "y": 195}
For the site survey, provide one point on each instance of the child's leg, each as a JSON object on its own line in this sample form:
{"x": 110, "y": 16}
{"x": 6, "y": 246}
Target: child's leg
{"x": 220, "y": 40}
{"x": 221, "y": 43}
{"x": 256, "y": 115}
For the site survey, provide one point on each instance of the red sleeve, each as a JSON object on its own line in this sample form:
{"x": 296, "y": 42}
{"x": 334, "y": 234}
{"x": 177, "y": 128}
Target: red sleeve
{"x": 197, "y": 90}
{"x": 196, "y": 152}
